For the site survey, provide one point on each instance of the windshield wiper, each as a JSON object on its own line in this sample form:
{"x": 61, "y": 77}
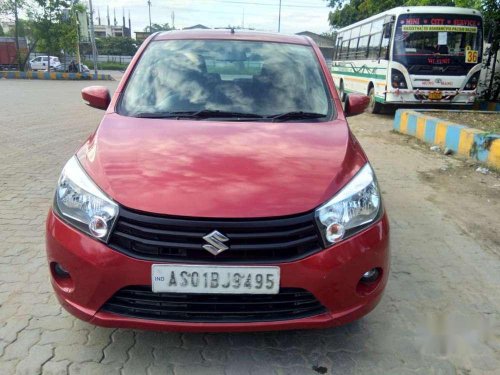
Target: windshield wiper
{"x": 215, "y": 113}
{"x": 296, "y": 115}
{"x": 201, "y": 114}
{"x": 155, "y": 115}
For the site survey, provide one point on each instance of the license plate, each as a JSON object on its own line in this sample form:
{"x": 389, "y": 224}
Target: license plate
{"x": 435, "y": 95}
{"x": 215, "y": 279}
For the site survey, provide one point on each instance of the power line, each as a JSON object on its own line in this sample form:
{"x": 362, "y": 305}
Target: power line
{"x": 270, "y": 5}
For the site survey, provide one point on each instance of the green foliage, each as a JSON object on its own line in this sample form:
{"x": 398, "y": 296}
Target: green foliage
{"x": 106, "y": 65}
{"x": 157, "y": 27}
{"x": 116, "y": 46}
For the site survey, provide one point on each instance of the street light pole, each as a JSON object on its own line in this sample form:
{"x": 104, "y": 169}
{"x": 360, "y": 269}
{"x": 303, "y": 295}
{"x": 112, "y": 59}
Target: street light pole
{"x": 149, "y": 5}
{"x": 279, "y": 18}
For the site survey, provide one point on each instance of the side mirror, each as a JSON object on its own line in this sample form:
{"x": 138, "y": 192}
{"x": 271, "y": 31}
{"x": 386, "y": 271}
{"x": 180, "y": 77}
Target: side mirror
{"x": 96, "y": 96}
{"x": 355, "y": 104}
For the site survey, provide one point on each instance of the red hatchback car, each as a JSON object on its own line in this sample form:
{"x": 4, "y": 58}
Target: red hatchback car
{"x": 222, "y": 191}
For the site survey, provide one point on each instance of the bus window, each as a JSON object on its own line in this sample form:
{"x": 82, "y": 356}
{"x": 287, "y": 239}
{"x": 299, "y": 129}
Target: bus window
{"x": 374, "y": 46}
{"x": 377, "y": 26}
{"x": 344, "y": 50}
{"x": 384, "y": 48}
{"x": 352, "y": 49}
{"x": 355, "y": 32}
{"x": 362, "y": 48}
{"x": 365, "y": 29}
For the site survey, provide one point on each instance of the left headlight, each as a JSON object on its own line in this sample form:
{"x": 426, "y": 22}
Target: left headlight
{"x": 351, "y": 209}
{"x": 82, "y": 204}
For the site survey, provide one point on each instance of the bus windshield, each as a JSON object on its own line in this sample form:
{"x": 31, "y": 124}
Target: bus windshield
{"x": 451, "y": 42}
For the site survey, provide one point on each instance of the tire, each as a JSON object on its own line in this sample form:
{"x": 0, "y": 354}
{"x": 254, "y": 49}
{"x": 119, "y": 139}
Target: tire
{"x": 374, "y": 107}
{"x": 341, "y": 91}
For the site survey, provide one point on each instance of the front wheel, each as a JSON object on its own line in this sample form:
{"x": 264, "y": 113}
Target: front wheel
{"x": 374, "y": 106}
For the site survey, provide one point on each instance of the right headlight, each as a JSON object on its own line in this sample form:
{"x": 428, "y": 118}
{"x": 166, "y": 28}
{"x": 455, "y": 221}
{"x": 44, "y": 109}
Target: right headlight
{"x": 351, "y": 209}
{"x": 81, "y": 203}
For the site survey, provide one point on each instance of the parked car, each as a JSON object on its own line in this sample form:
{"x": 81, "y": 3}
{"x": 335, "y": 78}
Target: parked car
{"x": 42, "y": 63}
{"x": 83, "y": 68}
{"x": 222, "y": 191}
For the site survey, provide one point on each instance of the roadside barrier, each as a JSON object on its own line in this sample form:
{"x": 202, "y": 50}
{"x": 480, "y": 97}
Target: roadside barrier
{"x": 461, "y": 139}
{"x": 487, "y": 106}
{"x": 55, "y": 76}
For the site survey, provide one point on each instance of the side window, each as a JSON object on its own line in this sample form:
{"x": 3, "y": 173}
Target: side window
{"x": 365, "y": 29}
{"x": 374, "y": 46}
{"x": 338, "y": 48}
{"x": 355, "y": 32}
{"x": 344, "y": 50}
{"x": 384, "y": 48}
{"x": 377, "y": 26}
{"x": 362, "y": 48}
{"x": 45, "y": 58}
{"x": 352, "y": 48}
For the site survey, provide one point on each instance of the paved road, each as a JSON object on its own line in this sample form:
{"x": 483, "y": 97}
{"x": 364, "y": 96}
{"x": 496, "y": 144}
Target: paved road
{"x": 440, "y": 313}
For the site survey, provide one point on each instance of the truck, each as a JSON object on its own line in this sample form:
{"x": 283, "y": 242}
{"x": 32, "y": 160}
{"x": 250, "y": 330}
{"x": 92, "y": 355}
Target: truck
{"x": 8, "y": 52}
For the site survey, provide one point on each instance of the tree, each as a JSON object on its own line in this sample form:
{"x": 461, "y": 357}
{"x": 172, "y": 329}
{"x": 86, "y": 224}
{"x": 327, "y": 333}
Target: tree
{"x": 157, "y": 27}
{"x": 1, "y": 31}
{"x": 116, "y": 46}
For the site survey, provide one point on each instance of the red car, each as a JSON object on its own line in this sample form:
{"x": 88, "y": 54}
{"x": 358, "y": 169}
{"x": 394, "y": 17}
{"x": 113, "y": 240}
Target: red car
{"x": 222, "y": 191}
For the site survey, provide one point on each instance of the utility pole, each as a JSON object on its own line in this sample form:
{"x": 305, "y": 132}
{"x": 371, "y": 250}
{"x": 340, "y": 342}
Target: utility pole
{"x": 279, "y": 19}
{"x": 149, "y": 5}
{"x": 16, "y": 32}
{"x": 92, "y": 36}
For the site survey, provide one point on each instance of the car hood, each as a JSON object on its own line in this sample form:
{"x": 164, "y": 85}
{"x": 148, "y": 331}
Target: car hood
{"x": 220, "y": 169}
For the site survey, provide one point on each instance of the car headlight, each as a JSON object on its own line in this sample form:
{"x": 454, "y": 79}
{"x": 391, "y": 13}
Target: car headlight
{"x": 82, "y": 204}
{"x": 351, "y": 209}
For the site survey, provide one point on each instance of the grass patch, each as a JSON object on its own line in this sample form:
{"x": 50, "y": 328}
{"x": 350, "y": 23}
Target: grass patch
{"x": 489, "y": 122}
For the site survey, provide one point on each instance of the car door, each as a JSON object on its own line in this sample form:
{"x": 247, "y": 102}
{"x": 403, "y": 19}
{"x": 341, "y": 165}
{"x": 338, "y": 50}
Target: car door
{"x": 36, "y": 63}
{"x": 45, "y": 62}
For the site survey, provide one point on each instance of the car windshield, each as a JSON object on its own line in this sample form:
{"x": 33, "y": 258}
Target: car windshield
{"x": 254, "y": 79}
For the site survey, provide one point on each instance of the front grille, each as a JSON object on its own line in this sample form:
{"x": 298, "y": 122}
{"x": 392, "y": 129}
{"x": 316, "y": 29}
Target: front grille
{"x": 141, "y": 302}
{"x": 173, "y": 239}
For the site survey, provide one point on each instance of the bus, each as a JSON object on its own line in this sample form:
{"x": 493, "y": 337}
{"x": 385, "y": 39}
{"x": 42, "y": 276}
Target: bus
{"x": 411, "y": 56}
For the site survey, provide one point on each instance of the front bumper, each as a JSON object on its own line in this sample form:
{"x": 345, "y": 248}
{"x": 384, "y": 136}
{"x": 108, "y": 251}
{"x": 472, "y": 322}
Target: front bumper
{"x": 332, "y": 275}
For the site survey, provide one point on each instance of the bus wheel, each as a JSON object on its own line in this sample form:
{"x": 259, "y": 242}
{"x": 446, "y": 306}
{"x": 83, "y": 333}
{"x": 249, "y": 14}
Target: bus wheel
{"x": 374, "y": 106}
{"x": 342, "y": 91}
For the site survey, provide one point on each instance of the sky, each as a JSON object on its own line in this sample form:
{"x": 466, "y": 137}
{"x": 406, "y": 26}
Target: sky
{"x": 296, "y": 15}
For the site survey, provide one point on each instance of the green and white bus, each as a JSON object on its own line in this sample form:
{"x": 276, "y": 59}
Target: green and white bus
{"x": 411, "y": 56}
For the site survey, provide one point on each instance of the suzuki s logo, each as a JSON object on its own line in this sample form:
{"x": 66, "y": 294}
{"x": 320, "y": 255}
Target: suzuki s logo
{"x": 215, "y": 241}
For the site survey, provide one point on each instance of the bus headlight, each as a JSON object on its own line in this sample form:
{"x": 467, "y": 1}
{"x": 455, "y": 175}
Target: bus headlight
{"x": 398, "y": 79}
{"x": 472, "y": 82}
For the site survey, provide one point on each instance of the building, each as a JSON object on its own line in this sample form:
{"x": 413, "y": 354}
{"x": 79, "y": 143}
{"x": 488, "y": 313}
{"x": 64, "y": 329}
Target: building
{"x": 199, "y": 26}
{"x": 108, "y": 30}
{"x": 326, "y": 45}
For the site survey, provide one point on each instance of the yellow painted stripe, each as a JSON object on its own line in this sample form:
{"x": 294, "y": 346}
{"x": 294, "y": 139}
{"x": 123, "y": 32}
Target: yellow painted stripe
{"x": 356, "y": 79}
{"x": 494, "y": 154}
{"x": 380, "y": 84}
{"x": 491, "y": 106}
{"x": 441, "y": 133}
{"x": 421, "y": 127}
{"x": 403, "y": 127}
{"x": 466, "y": 141}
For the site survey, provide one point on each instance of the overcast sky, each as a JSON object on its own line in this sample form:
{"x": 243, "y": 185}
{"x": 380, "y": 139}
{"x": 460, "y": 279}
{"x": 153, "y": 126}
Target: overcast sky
{"x": 296, "y": 15}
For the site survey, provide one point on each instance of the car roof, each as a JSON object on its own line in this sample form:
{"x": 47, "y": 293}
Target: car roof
{"x": 232, "y": 34}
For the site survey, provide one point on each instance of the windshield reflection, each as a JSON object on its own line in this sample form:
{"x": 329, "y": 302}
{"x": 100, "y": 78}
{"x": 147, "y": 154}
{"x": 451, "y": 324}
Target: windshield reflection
{"x": 258, "y": 78}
